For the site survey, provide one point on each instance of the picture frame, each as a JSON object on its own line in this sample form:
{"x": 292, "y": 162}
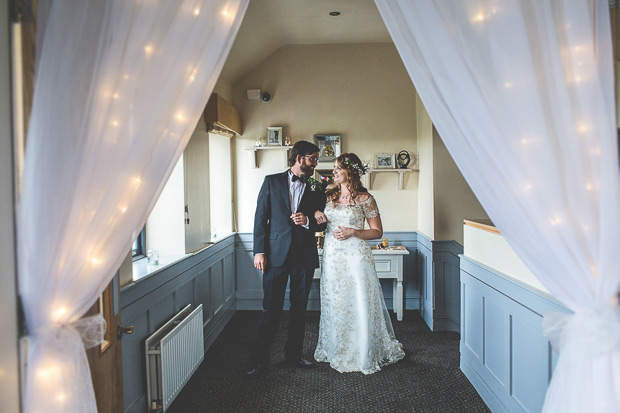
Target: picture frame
{"x": 385, "y": 160}
{"x": 329, "y": 146}
{"x": 324, "y": 173}
{"x": 274, "y": 136}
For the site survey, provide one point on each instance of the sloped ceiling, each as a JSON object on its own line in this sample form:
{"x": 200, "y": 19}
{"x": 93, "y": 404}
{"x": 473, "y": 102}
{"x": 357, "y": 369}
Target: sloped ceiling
{"x": 271, "y": 24}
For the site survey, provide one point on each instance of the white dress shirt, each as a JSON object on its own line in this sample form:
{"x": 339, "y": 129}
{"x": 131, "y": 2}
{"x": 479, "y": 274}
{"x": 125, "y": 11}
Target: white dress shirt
{"x": 295, "y": 192}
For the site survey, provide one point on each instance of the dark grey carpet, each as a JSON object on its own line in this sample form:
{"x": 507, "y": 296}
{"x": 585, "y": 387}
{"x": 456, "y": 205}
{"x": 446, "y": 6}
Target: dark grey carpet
{"x": 427, "y": 380}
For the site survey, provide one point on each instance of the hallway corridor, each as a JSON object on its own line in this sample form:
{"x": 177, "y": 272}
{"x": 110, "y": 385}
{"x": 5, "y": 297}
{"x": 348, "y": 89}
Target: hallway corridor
{"x": 427, "y": 380}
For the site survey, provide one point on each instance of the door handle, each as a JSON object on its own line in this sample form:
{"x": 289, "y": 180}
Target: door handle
{"x": 123, "y": 330}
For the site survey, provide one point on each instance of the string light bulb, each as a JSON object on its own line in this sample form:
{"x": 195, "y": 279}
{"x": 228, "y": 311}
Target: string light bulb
{"x": 228, "y": 16}
{"x": 555, "y": 221}
{"x": 594, "y": 270}
{"x": 479, "y": 18}
{"x": 59, "y": 313}
{"x": 47, "y": 370}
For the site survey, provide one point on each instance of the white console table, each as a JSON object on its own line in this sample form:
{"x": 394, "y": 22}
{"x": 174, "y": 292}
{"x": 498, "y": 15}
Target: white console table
{"x": 389, "y": 264}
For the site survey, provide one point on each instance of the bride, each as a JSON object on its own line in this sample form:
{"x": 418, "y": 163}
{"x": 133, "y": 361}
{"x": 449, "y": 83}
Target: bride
{"x": 355, "y": 331}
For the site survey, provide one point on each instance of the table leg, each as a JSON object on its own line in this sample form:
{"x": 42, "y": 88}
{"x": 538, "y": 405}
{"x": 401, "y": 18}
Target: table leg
{"x": 395, "y": 297}
{"x": 401, "y": 299}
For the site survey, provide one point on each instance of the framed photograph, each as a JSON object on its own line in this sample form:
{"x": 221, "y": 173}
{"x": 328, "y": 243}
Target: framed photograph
{"x": 274, "y": 136}
{"x": 329, "y": 146}
{"x": 385, "y": 160}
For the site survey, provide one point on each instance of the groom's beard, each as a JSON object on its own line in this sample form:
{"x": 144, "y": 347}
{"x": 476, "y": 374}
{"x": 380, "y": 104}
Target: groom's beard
{"x": 307, "y": 170}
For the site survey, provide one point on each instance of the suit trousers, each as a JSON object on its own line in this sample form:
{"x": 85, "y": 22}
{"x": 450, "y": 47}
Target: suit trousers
{"x": 274, "y": 288}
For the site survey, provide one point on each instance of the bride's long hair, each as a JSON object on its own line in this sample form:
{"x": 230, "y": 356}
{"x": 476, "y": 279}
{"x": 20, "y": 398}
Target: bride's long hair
{"x": 355, "y": 169}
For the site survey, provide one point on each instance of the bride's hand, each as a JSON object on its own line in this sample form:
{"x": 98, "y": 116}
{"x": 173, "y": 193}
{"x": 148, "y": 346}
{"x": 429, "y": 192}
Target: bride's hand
{"x": 320, "y": 217}
{"x": 342, "y": 233}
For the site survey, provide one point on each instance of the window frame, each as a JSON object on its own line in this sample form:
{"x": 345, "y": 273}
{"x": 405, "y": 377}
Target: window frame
{"x": 140, "y": 252}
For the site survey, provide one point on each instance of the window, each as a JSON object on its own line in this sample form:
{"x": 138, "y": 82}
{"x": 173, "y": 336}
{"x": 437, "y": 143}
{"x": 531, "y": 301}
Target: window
{"x": 194, "y": 208}
{"x": 138, "y": 249}
{"x": 220, "y": 186}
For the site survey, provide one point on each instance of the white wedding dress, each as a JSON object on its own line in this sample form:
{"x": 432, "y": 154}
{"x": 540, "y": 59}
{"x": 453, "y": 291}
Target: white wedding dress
{"x": 355, "y": 331}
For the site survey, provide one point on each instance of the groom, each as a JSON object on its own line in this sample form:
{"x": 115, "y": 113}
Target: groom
{"x": 284, "y": 244}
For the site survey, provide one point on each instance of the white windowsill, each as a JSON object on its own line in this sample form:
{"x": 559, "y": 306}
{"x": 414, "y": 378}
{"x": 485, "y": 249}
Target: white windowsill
{"x": 141, "y": 268}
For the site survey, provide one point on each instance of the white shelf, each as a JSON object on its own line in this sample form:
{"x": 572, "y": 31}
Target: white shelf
{"x": 401, "y": 175}
{"x": 256, "y": 149}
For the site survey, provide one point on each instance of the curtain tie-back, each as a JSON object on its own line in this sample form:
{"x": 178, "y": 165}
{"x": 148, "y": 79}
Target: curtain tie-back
{"x": 90, "y": 331}
{"x": 58, "y": 366}
{"x": 592, "y": 332}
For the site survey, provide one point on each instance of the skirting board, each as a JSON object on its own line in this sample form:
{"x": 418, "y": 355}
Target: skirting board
{"x": 214, "y": 327}
{"x": 481, "y": 387}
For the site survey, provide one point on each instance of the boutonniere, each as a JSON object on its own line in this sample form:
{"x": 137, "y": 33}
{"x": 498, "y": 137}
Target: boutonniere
{"x": 316, "y": 185}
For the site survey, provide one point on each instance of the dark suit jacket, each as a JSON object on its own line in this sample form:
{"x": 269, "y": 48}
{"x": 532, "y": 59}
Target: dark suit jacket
{"x": 274, "y": 230}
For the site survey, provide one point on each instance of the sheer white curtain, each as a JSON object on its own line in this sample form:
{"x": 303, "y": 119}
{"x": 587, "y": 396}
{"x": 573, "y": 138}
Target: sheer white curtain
{"x": 119, "y": 87}
{"x": 521, "y": 93}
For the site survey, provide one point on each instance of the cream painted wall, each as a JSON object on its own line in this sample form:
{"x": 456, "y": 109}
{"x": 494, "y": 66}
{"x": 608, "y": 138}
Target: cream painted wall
{"x": 618, "y": 93}
{"x": 493, "y": 250}
{"x": 9, "y": 358}
{"x": 454, "y": 200}
{"x": 224, "y": 89}
{"x": 165, "y": 228}
{"x": 361, "y": 91}
{"x": 426, "y": 219}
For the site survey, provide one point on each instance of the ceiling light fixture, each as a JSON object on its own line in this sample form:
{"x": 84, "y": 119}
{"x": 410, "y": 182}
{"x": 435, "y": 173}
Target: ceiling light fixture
{"x": 334, "y": 13}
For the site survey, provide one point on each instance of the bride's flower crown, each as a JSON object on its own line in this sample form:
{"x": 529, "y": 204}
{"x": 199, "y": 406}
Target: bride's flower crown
{"x": 361, "y": 169}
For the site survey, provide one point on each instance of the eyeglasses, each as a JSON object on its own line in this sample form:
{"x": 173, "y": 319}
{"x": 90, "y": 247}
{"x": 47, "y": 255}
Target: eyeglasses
{"x": 312, "y": 159}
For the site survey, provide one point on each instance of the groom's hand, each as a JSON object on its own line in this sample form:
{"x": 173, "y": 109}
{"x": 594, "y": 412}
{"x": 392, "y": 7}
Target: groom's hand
{"x": 299, "y": 218}
{"x": 260, "y": 262}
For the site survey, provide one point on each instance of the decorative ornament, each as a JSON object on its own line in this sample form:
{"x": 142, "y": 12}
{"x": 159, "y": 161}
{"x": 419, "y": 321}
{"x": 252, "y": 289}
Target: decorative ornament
{"x": 403, "y": 159}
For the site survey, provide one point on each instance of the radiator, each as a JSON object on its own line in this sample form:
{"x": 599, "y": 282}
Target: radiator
{"x": 172, "y": 355}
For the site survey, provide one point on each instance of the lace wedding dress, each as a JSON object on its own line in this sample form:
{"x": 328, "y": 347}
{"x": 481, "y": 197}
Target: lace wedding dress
{"x": 355, "y": 331}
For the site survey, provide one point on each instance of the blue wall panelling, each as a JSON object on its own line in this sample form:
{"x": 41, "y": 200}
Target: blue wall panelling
{"x": 223, "y": 278}
{"x": 503, "y": 351}
{"x": 438, "y": 269}
{"x": 249, "y": 282}
{"x": 207, "y": 278}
